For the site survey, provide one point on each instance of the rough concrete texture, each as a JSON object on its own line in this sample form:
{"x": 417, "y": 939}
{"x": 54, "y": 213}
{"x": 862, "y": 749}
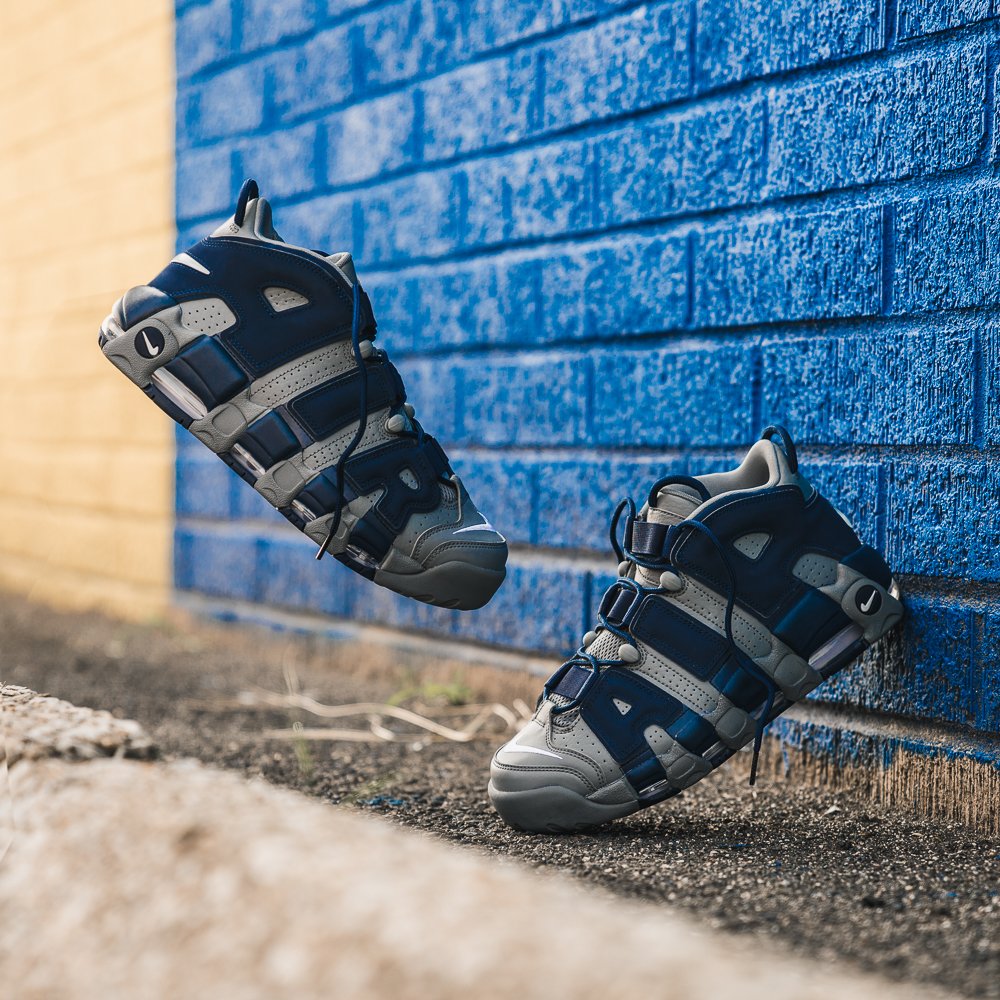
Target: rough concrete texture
{"x": 835, "y": 879}
{"x": 34, "y": 725}
{"x": 173, "y": 880}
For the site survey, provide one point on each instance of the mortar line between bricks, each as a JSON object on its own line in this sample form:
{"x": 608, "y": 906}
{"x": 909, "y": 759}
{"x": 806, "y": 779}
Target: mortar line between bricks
{"x": 353, "y": 17}
{"x": 747, "y": 89}
{"x": 688, "y": 338}
{"x": 963, "y": 180}
{"x": 978, "y": 391}
{"x": 946, "y": 734}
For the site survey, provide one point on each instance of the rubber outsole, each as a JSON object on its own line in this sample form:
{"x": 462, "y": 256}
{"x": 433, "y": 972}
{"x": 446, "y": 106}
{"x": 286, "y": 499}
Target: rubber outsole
{"x": 560, "y": 810}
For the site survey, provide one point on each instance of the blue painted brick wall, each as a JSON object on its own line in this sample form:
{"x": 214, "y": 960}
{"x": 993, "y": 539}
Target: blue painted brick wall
{"x": 607, "y": 240}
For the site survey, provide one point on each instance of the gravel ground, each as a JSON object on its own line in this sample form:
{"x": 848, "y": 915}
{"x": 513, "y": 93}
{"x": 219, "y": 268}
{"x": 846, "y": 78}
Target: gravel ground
{"x": 834, "y": 878}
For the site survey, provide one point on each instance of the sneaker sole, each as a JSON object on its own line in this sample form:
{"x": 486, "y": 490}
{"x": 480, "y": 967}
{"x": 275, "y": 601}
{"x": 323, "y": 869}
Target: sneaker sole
{"x": 571, "y": 812}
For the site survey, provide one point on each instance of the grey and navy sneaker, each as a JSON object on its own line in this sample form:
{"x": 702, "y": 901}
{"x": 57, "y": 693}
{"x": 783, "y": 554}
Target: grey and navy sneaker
{"x": 738, "y": 594}
{"x": 264, "y": 351}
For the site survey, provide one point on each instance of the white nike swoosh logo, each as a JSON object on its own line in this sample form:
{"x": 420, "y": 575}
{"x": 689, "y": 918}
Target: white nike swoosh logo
{"x": 153, "y": 351}
{"x": 479, "y": 526}
{"x": 869, "y": 602}
{"x": 515, "y": 747}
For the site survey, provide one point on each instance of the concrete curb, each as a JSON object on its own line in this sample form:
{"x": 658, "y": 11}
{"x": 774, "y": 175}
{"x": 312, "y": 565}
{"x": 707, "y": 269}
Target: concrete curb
{"x": 131, "y": 878}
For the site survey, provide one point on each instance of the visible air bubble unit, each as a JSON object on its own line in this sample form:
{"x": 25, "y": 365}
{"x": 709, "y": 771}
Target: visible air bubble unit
{"x": 179, "y": 394}
{"x": 248, "y": 461}
{"x": 829, "y": 652}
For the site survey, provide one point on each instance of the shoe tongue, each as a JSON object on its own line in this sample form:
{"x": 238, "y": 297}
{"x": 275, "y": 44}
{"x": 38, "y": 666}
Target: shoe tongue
{"x": 672, "y": 505}
{"x": 344, "y": 262}
{"x": 256, "y": 222}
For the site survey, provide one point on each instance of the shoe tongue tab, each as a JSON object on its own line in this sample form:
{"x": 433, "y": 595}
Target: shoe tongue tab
{"x": 256, "y": 222}
{"x": 673, "y": 504}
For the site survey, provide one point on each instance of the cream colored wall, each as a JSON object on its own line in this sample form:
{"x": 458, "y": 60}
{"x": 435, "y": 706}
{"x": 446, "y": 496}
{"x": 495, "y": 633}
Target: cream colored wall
{"x": 86, "y": 198}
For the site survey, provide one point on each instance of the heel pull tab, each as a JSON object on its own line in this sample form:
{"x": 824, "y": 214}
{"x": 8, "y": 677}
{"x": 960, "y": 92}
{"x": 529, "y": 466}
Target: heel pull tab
{"x": 248, "y": 191}
{"x": 787, "y": 444}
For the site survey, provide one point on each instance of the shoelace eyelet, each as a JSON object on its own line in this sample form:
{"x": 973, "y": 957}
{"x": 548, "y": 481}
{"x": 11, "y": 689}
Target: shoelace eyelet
{"x": 366, "y": 348}
{"x": 671, "y": 581}
{"x": 623, "y": 567}
{"x": 588, "y": 638}
{"x": 396, "y": 424}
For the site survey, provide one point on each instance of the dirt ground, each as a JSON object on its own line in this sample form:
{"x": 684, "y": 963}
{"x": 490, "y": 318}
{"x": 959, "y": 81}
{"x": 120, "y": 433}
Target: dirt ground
{"x": 833, "y": 878}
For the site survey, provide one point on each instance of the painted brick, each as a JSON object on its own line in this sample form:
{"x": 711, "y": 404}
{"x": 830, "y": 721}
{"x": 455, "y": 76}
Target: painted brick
{"x": 264, "y": 22}
{"x": 588, "y": 488}
{"x": 484, "y": 104}
{"x": 542, "y": 605}
{"x": 538, "y": 399}
{"x": 925, "y": 17}
{"x": 432, "y": 386}
{"x": 942, "y": 518}
{"x": 534, "y": 193}
{"x": 682, "y": 162}
{"x": 480, "y": 303}
{"x": 653, "y": 37}
{"x": 412, "y": 217}
{"x": 405, "y": 40}
{"x": 326, "y": 222}
{"x": 920, "y": 384}
{"x": 228, "y": 103}
{"x": 538, "y": 290}
{"x": 628, "y": 285}
{"x": 500, "y": 22}
{"x": 282, "y": 162}
{"x": 290, "y": 576}
{"x": 769, "y": 268}
{"x": 923, "y": 670}
{"x": 317, "y": 74}
{"x": 947, "y": 247}
{"x": 203, "y": 485}
{"x": 751, "y": 38}
{"x": 989, "y": 394}
{"x": 368, "y": 140}
{"x": 221, "y": 562}
{"x": 204, "y": 181}
{"x": 924, "y": 116}
{"x": 395, "y": 301}
{"x": 985, "y": 674}
{"x": 204, "y": 36}
{"x": 639, "y": 396}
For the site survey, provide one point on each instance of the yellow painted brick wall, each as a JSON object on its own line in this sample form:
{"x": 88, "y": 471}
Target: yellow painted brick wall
{"x": 86, "y": 175}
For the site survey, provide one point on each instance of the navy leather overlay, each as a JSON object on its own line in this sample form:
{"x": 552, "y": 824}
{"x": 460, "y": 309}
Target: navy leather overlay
{"x": 320, "y": 494}
{"x": 240, "y": 270}
{"x": 624, "y": 734}
{"x": 811, "y": 622}
{"x": 681, "y": 638}
{"x": 380, "y": 468}
{"x": 140, "y": 303}
{"x": 208, "y": 370}
{"x": 269, "y": 440}
{"x": 371, "y": 535}
{"x": 766, "y": 586}
{"x": 867, "y": 561}
{"x": 325, "y": 409}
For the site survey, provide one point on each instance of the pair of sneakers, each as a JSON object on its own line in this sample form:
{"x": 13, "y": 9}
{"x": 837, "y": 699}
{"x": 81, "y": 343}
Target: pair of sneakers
{"x": 737, "y": 593}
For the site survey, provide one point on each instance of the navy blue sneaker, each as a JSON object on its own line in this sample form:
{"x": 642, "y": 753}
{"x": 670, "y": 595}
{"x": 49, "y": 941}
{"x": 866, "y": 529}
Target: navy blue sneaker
{"x": 738, "y": 594}
{"x": 265, "y": 352}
